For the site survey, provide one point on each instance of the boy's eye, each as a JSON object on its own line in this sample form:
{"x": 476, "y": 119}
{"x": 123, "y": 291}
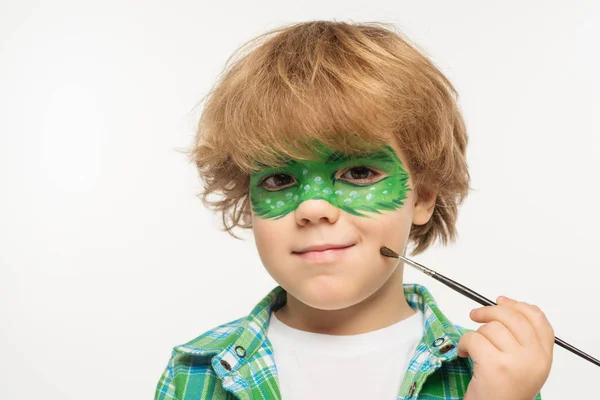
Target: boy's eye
{"x": 361, "y": 174}
{"x": 277, "y": 181}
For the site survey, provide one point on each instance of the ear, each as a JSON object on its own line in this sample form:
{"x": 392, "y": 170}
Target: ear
{"x": 423, "y": 209}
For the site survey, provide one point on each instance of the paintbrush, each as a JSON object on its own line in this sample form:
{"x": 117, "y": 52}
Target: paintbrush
{"x": 475, "y": 296}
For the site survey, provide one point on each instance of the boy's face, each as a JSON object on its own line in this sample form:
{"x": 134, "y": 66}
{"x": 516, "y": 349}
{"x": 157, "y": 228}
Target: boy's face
{"x": 358, "y": 203}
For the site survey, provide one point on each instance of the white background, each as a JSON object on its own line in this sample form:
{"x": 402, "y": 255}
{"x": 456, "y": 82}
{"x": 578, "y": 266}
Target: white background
{"x": 107, "y": 258}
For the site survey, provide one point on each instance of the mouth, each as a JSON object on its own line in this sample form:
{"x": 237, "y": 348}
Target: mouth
{"x": 324, "y": 254}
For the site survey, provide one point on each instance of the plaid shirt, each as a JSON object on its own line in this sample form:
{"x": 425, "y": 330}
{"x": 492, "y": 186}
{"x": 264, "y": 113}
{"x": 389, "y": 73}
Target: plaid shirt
{"x": 235, "y": 360}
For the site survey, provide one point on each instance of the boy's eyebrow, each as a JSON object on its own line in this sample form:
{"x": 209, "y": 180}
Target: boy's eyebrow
{"x": 379, "y": 155}
{"x": 336, "y": 156}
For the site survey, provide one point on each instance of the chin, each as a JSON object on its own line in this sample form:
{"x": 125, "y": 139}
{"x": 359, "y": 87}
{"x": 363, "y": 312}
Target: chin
{"x": 329, "y": 294}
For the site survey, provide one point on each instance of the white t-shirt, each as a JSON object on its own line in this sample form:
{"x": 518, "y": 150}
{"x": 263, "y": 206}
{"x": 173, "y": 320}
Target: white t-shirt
{"x": 370, "y": 365}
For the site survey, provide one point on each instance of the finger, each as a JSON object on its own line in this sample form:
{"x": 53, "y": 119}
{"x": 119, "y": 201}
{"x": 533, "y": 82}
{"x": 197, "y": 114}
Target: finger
{"x": 538, "y": 319}
{"x": 505, "y": 301}
{"x": 476, "y": 346}
{"x": 516, "y": 322}
{"x": 500, "y": 336}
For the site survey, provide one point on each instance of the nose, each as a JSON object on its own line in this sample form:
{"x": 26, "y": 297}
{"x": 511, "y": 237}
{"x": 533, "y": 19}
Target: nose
{"x": 315, "y": 211}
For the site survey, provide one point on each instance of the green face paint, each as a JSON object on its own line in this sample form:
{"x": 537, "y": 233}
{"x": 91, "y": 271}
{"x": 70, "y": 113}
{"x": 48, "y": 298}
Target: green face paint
{"x": 275, "y": 192}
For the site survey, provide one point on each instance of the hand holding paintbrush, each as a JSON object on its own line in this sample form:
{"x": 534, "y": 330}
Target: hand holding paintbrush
{"x": 475, "y": 296}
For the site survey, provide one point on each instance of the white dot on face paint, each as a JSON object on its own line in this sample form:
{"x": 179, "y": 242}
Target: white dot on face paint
{"x": 280, "y": 203}
{"x": 288, "y": 195}
{"x": 307, "y": 187}
{"x": 304, "y": 171}
{"x": 327, "y": 191}
{"x": 296, "y": 197}
{"x": 353, "y": 193}
{"x": 272, "y": 207}
{"x": 268, "y": 201}
{"x": 347, "y": 200}
{"x": 318, "y": 180}
{"x": 369, "y": 196}
{"x": 339, "y": 192}
{"x": 372, "y": 188}
{"x": 385, "y": 192}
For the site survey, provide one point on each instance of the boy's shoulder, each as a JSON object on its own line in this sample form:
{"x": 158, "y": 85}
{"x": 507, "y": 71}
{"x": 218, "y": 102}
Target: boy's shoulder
{"x": 230, "y": 358}
{"x": 191, "y": 372}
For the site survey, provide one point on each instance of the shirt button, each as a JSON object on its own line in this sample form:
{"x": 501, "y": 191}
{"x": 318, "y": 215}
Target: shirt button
{"x": 438, "y": 342}
{"x": 447, "y": 348}
{"x": 225, "y": 365}
{"x": 240, "y": 351}
{"x": 411, "y": 391}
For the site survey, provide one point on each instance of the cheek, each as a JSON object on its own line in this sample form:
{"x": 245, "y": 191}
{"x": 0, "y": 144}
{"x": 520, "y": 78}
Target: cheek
{"x": 267, "y": 233}
{"x": 390, "y": 228}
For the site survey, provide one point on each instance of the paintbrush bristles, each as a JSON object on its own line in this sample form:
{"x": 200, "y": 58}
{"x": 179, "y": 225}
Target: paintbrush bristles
{"x": 388, "y": 252}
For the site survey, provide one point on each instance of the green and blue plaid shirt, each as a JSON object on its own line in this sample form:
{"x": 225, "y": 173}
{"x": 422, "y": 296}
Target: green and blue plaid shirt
{"x": 235, "y": 360}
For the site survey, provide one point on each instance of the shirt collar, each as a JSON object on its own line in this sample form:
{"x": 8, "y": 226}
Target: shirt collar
{"x": 243, "y": 337}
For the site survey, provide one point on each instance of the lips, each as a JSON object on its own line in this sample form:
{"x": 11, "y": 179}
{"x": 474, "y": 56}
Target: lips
{"x": 326, "y": 254}
{"x": 324, "y": 247}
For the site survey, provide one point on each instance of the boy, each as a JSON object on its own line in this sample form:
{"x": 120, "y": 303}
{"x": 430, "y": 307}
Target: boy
{"x": 330, "y": 140}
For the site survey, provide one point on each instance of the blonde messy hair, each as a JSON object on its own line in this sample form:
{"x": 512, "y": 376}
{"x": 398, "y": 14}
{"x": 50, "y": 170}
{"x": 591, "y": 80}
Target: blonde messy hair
{"x": 349, "y": 86}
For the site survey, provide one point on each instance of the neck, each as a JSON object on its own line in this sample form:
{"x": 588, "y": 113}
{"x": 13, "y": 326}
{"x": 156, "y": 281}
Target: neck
{"x": 383, "y": 308}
